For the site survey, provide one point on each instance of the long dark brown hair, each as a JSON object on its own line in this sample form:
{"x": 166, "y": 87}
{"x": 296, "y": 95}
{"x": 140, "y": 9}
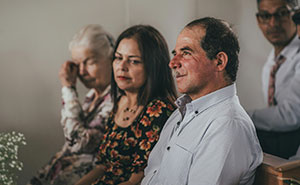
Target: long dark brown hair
{"x": 155, "y": 56}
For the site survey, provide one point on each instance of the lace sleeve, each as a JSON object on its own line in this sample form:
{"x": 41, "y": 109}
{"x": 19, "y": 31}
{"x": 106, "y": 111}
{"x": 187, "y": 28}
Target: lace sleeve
{"x": 80, "y": 136}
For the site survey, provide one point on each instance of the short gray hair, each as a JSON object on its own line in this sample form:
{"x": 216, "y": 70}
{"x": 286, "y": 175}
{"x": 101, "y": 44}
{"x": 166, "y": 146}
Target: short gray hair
{"x": 292, "y": 3}
{"x": 96, "y": 38}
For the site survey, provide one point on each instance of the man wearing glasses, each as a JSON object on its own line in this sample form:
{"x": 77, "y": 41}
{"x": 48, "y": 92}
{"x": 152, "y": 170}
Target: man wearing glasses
{"x": 278, "y": 124}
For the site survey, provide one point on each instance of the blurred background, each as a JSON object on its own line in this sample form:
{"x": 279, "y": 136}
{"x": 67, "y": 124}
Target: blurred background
{"x": 34, "y": 37}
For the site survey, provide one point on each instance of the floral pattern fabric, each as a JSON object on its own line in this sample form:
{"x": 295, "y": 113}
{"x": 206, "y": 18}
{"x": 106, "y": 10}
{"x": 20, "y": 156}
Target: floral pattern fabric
{"x": 83, "y": 131}
{"x": 124, "y": 151}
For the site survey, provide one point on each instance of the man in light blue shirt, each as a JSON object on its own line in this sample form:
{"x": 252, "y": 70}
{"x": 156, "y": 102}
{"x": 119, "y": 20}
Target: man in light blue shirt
{"x": 209, "y": 139}
{"x": 278, "y": 124}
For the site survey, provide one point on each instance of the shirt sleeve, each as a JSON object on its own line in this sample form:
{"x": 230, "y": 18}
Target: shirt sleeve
{"x": 285, "y": 115}
{"x": 227, "y": 151}
{"x": 79, "y": 137}
{"x": 150, "y": 125}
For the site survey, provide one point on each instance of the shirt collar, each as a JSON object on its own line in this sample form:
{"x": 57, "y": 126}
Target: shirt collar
{"x": 181, "y": 102}
{"x": 204, "y": 102}
{"x": 290, "y": 50}
{"x": 91, "y": 94}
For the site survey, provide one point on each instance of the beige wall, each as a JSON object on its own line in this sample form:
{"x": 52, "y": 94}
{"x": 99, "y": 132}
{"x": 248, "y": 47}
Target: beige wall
{"x": 33, "y": 44}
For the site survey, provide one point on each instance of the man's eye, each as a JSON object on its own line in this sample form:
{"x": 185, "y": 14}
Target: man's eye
{"x": 184, "y": 53}
{"x": 118, "y": 58}
{"x": 265, "y": 16}
{"x": 283, "y": 13}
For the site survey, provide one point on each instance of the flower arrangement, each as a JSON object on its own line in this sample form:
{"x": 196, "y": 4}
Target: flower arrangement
{"x": 9, "y": 164}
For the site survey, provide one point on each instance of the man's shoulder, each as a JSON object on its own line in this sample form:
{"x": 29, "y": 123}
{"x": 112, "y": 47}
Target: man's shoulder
{"x": 232, "y": 112}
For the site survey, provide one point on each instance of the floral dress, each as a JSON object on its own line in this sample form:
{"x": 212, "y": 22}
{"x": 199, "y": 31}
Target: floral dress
{"x": 83, "y": 131}
{"x": 124, "y": 151}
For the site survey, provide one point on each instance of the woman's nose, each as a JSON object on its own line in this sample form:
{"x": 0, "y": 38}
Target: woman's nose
{"x": 82, "y": 69}
{"x": 122, "y": 64}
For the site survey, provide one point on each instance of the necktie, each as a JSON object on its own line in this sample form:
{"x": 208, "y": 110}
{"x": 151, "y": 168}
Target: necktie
{"x": 271, "y": 91}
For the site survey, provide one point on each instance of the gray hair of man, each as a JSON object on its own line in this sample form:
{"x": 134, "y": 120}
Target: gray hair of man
{"x": 94, "y": 37}
{"x": 293, "y": 4}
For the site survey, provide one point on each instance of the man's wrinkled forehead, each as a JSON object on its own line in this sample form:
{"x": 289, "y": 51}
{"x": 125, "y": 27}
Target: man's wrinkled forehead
{"x": 273, "y": 5}
{"x": 194, "y": 32}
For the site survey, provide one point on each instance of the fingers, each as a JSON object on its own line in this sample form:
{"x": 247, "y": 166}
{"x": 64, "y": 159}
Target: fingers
{"x": 73, "y": 69}
{"x": 68, "y": 73}
{"x": 69, "y": 67}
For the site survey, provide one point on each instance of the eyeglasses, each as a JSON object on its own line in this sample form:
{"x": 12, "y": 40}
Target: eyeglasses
{"x": 296, "y": 17}
{"x": 264, "y": 17}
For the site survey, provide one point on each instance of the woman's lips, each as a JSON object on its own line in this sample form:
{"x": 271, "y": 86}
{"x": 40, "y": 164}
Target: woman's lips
{"x": 86, "y": 79}
{"x": 123, "y": 77}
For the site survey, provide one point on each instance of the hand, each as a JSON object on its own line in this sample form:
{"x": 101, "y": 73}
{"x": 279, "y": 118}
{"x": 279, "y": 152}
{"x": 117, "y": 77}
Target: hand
{"x": 97, "y": 172}
{"x": 135, "y": 179}
{"x": 68, "y": 74}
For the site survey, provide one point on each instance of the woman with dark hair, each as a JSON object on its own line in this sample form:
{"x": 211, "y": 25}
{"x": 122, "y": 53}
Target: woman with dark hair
{"x": 143, "y": 90}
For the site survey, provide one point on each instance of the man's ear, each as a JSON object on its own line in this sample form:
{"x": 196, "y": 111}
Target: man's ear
{"x": 221, "y": 61}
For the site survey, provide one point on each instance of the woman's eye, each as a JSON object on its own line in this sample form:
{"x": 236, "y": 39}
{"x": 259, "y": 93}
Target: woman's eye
{"x": 134, "y": 61}
{"x": 91, "y": 62}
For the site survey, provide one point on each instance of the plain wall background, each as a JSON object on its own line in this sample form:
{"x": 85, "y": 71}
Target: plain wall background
{"x": 34, "y": 37}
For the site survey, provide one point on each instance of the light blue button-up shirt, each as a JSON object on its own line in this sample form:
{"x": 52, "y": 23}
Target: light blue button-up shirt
{"x": 208, "y": 141}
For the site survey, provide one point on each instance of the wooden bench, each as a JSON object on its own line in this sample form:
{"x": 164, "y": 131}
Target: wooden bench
{"x": 277, "y": 171}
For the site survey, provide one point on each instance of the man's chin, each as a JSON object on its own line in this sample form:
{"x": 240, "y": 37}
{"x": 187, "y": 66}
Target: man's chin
{"x": 276, "y": 41}
{"x": 181, "y": 90}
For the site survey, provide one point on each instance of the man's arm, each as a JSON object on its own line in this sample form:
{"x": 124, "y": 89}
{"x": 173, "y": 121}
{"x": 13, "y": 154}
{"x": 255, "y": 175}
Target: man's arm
{"x": 285, "y": 116}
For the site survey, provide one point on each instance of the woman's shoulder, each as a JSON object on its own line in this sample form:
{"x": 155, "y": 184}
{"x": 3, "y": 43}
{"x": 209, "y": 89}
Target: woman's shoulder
{"x": 164, "y": 102}
{"x": 159, "y": 106}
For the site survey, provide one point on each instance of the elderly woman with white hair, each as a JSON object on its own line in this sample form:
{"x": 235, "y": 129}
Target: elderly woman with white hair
{"x": 83, "y": 125}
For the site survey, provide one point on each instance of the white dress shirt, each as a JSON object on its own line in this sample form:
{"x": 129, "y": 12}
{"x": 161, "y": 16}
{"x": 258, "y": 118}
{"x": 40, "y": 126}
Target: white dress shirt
{"x": 285, "y": 116}
{"x": 208, "y": 141}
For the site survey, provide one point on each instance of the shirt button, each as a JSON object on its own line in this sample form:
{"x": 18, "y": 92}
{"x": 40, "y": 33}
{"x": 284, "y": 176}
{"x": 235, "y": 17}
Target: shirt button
{"x": 178, "y": 123}
{"x": 196, "y": 112}
{"x": 168, "y": 148}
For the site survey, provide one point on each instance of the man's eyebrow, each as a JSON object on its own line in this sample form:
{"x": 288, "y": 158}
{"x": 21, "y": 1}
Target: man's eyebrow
{"x": 186, "y": 48}
{"x": 118, "y": 53}
{"x": 183, "y": 49}
{"x": 173, "y": 52}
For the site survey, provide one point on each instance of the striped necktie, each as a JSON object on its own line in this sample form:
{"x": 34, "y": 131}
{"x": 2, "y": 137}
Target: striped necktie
{"x": 271, "y": 91}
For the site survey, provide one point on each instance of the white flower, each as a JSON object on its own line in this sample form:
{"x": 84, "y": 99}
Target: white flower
{"x": 9, "y": 165}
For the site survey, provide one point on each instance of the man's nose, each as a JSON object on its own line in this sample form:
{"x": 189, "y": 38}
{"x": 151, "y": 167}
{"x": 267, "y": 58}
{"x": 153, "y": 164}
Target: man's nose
{"x": 175, "y": 62}
{"x": 274, "y": 21}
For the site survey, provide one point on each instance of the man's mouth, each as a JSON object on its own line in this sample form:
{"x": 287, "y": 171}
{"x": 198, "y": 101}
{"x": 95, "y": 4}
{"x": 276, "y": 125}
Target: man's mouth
{"x": 274, "y": 32}
{"x": 178, "y": 75}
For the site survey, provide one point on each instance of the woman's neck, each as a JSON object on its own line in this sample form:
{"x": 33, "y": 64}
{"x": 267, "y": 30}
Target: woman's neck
{"x": 131, "y": 99}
